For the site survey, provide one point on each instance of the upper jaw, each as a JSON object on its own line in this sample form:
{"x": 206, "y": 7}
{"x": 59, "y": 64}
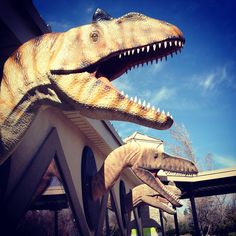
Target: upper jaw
{"x": 118, "y": 62}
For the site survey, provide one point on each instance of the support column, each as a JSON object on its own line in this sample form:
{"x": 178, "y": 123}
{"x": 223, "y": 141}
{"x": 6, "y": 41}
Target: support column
{"x": 138, "y": 222}
{"x": 107, "y": 223}
{"x": 194, "y": 213}
{"x": 56, "y": 223}
{"x": 176, "y": 223}
{"x": 162, "y": 224}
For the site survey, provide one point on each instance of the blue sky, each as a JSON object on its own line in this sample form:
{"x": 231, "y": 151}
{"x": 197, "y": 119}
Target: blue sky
{"x": 198, "y": 86}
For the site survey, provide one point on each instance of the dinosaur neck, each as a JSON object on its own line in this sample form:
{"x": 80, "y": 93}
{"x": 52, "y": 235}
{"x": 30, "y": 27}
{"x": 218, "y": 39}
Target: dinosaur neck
{"x": 15, "y": 117}
{"x": 22, "y": 90}
{"x": 110, "y": 171}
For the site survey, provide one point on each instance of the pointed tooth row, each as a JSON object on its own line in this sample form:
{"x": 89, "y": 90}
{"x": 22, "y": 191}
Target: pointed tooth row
{"x": 172, "y": 195}
{"x": 178, "y": 174}
{"x": 145, "y": 104}
{"x": 165, "y": 44}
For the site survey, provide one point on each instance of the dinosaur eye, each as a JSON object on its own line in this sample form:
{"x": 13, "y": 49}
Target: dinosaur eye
{"x": 94, "y": 36}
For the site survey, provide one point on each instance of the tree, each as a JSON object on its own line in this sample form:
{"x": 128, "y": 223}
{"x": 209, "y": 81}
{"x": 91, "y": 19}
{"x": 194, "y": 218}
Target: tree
{"x": 215, "y": 213}
{"x": 183, "y": 146}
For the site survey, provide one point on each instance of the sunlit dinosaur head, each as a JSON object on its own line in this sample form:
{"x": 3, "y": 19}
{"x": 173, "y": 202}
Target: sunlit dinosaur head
{"x": 100, "y": 52}
{"x": 151, "y": 161}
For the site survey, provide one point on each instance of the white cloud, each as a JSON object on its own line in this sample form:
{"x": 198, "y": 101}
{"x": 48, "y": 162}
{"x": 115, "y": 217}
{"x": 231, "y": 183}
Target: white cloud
{"x": 156, "y": 68}
{"x": 225, "y": 161}
{"x": 124, "y": 84}
{"x": 213, "y": 79}
{"x": 208, "y": 82}
{"x": 163, "y": 94}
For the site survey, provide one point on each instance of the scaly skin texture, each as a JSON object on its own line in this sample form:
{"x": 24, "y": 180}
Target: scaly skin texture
{"x": 74, "y": 70}
{"x": 143, "y": 160}
{"x": 144, "y": 195}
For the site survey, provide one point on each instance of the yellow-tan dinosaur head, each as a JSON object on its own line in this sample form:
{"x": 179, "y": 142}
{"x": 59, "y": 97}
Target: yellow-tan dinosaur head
{"x": 100, "y": 52}
{"x": 151, "y": 161}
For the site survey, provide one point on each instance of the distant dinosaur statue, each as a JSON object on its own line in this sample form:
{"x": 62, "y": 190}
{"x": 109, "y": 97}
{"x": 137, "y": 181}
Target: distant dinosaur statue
{"x": 144, "y": 195}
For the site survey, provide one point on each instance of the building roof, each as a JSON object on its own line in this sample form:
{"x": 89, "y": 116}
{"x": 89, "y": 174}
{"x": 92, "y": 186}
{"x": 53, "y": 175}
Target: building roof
{"x": 143, "y": 138}
{"x": 19, "y": 22}
{"x": 206, "y": 183}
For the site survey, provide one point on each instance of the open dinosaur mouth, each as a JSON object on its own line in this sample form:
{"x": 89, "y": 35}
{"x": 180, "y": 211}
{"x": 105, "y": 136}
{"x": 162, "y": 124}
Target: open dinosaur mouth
{"x": 120, "y": 62}
{"x": 110, "y": 67}
{"x": 170, "y": 196}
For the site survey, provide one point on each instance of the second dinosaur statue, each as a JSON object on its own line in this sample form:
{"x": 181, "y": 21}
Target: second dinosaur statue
{"x": 145, "y": 162}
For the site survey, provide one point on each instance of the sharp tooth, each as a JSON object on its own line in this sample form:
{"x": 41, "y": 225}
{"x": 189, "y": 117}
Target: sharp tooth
{"x": 168, "y": 114}
{"x": 159, "y": 45}
{"x": 122, "y": 93}
{"x": 124, "y": 53}
{"x": 128, "y": 52}
{"x": 139, "y": 102}
{"x": 148, "y": 48}
{"x": 126, "y": 96}
{"x": 131, "y": 99}
{"x": 158, "y": 109}
{"x": 144, "y": 103}
{"x": 176, "y": 43}
{"x": 170, "y": 43}
{"x": 135, "y": 99}
{"x": 138, "y": 50}
{"x": 165, "y": 44}
{"x": 148, "y": 105}
{"x": 154, "y": 47}
{"x": 153, "y": 108}
{"x": 143, "y": 48}
{"x": 120, "y": 56}
{"x": 180, "y": 43}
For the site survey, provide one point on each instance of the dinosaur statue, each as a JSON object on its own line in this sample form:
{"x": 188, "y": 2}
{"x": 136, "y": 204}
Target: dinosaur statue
{"x": 143, "y": 194}
{"x": 145, "y": 162}
{"x": 73, "y": 70}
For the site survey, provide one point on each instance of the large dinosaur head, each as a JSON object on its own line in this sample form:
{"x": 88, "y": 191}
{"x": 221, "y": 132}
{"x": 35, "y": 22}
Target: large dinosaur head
{"x": 93, "y": 55}
{"x": 151, "y": 161}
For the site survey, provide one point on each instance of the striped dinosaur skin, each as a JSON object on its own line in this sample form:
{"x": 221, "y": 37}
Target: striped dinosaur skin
{"x": 74, "y": 70}
{"x": 144, "y": 195}
{"x": 145, "y": 161}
